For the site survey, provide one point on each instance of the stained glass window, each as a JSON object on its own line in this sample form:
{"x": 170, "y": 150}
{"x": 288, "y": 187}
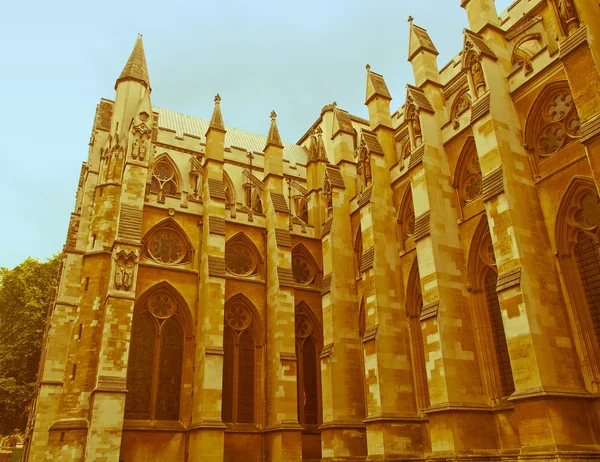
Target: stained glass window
{"x": 500, "y": 345}
{"x": 141, "y": 365}
{"x": 155, "y": 365}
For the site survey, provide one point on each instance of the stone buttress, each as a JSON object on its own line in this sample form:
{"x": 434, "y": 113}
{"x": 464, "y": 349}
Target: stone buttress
{"x": 207, "y": 430}
{"x": 282, "y": 439}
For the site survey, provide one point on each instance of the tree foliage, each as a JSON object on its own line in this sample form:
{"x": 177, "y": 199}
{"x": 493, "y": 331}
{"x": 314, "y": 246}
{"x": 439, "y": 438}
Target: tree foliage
{"x": 25, "y": 293}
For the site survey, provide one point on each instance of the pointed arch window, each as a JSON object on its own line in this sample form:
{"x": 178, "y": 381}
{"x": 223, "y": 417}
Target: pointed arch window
{"x": 483, "y": 275}
{"x": 577, "y": 236}
{"x": 468, "y": 176}
{"x": 164, "y": 179}
{"x": 358, "y": 252}
{"x": 167, "y": 244}
{"x": 406, "y": 219}
{"x": 242, "y": 257}
{"x": 304, "y": 267}
{"x": 239, "y": 361}
{"x": 553, "y": 122}
{"x": 308, "y": 348}
{"x": 156, "y": 355}
{"x": 414, "y": 306}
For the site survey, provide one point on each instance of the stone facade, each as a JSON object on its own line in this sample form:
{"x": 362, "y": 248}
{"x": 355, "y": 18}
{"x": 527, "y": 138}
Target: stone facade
{"x": 422, "y": 285}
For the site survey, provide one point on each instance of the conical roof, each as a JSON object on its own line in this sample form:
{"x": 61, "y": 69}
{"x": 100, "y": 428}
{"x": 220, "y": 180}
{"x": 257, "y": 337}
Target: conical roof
{"x": 136, "y": 68}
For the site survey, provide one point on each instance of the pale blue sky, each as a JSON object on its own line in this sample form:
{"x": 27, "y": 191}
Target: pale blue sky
{"x": 60, "y": 57}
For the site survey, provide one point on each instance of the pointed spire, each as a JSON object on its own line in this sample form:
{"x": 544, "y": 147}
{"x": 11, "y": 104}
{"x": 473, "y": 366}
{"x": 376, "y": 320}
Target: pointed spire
{"x": 419, "y": 40}
{"x": 136, "y": 68}
{"x": 376, "y": 86}
{"x": 273, "y": 138}
{"x": 216, "y": 120}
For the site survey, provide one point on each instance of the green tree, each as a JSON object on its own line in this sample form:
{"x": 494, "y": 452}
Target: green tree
{"x": 25, "y": 293}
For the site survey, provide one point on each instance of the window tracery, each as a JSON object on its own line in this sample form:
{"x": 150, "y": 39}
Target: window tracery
{"x": 240, "y": 341}
{"x": 577, "y": 237}
{"x": 155, "y": 367}
{"x": 554, "y": 123}
{"x": 304, "y": 267}
{"x": 241, "y": 256}
{"x": 468, "y": 177}
{"x": 166, "y": 244}
{"x": 164, "y": 179}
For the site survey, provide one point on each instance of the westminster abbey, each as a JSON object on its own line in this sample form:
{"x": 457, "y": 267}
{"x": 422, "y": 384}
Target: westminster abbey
{"x": 422, "y": 285}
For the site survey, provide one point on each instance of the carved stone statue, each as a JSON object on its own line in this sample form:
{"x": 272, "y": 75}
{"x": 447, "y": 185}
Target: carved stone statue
{"x": 416, "y": 129}
{"x": 119, "y": 274}
{"x": 128, "y": 276}
{"x": 477, "y": 75}
{"x": 568, "y": 15}
{"x": 136, "y": 148}
{"x": 143, "y": 149}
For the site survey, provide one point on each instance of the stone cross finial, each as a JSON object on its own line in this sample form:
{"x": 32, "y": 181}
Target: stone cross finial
{"x": 273, "y": 115}
{"x": 410, "y": 19}
{"x": 334, "y": 104}
{"x": 368, "y": 66}
{"x": 217, "y": 99}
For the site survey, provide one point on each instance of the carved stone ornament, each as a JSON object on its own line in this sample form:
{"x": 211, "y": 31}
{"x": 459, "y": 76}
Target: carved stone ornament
{"x": 125, "y": 265}
{"x": 477, "y": 75}
{"x": 568, "y": 15}
{"x": 559, "y": 123}
{"x": 238, "y": 317}
{"x": 303, "y": 326}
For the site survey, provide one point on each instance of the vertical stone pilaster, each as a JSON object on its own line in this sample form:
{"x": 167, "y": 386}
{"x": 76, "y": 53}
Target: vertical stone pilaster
{"x": 283, "y": 439}
{"x": 453, "y": 375}
{"x": 206, "y": 434}
{"x": 342, "y": 431}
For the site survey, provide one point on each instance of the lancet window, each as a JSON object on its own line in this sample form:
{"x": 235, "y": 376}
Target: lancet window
{"x": 554, "y": 122}
{"x": 308, "y": 347}
{"x": 414, "y": 306}
{"x": 240, "y": 340}
{"x": 468, "y": 178}
{"x": 167, "y": 244}
{"x": 156, "y": 355}
{"x": 483, "y": 276}
{"x": 164, "y": 178}
{"x": 358, "y": 252}
{"x": 242, "y": 257}
{"x": 406, "y": 218}
{"x": 577, "y": 235}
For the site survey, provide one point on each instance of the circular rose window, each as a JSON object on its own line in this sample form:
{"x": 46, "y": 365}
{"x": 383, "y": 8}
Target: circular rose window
{"x": 239, "y": 260}
{"x": 162, "y": 305}
{"x": 302, "y": 270}
{"x": 238, "y": 317}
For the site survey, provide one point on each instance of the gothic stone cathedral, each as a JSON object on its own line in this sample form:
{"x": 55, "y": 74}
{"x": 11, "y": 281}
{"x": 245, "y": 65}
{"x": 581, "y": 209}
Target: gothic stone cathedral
{"x": 422, "y": 285}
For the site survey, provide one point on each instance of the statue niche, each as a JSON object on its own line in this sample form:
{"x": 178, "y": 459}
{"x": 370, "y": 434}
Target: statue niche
{"x": 125, "y": 265}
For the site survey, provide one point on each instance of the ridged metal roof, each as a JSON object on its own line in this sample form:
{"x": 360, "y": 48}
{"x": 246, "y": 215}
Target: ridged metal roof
{"x": 181, "y": 123}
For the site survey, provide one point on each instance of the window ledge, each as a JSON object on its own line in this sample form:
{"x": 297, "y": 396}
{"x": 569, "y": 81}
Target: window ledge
{"x": 153, "y": 425}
